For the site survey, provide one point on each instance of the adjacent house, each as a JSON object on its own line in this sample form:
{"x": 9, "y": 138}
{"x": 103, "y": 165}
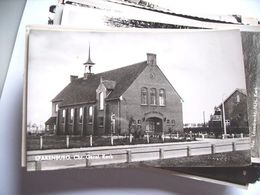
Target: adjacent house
{"x": 235, "y": 107}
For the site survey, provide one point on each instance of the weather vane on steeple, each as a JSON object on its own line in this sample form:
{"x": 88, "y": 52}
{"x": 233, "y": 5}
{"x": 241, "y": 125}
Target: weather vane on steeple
{"x": 88, "y": 65}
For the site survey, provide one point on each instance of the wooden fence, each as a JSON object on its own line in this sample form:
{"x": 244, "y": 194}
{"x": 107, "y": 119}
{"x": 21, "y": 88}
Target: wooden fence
{"x": 69, "y": 158}
{"x": 60, "y": 142}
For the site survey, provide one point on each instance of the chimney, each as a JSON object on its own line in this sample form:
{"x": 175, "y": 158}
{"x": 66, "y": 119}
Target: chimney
{"x": 73, "y": 77}
{"x": 151, "y": 59}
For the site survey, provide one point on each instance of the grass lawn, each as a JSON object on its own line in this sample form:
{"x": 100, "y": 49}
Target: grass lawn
{"x": 59, "y": 142}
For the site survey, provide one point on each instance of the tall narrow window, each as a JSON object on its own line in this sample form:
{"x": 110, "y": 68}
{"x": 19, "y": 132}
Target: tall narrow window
{"x": 90, "y": 114}
{"x": 101, "y": 101}
{"x": 153, "y": 96}
{"x": 144, "y": 96}
{"x": 162, "y": 97}
{"x": 80, "y": 114}
{"x": 71, "y": 115}
{"x": 56, "y": 107}
{"x": 238, "y": 98}
{"x": 63, "y": 116}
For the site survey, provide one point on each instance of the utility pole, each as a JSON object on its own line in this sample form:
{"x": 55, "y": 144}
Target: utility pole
{"x": 204, "y": 118}
{"x": 224, "y": 117}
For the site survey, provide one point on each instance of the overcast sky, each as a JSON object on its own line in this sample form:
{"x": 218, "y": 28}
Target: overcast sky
{"x": 202, "y": 66}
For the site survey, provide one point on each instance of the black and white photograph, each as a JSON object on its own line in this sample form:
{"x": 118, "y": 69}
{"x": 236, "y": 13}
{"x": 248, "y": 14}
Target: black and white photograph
{"x": 135, "y": 98}
{"x": 164, "y": 15}
{"x": 251, "y": 50}
{"x": 129, "y": 97}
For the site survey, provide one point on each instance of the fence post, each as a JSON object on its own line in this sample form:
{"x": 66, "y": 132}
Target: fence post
{"x": 177, "y": 135}
{"x": 241, "y": 135}
{"x": 190, "y": 135}
{"x": 38, "y": 165}
{"x": 213, "y": 148}
{"x": 233, "y": 136}
{"x": 41, "y": 143}
{"x": 147, "y": 138}
{"x": 111, "y": 139}
{"x": 128, "y": 156}
{"x": 233, "y": 146}
{"x": 87, "y": 159}
{"x": 223, "y": 136}
{"x": 90, "y": 140}
{"x": 188, "y": 151}
{"x": 162, "y": 137}
{"x": 203, "y": 136}
{"x": 161, "y": 153}
{"x": 68, "y": 141}
{"x": 130, "y": 138}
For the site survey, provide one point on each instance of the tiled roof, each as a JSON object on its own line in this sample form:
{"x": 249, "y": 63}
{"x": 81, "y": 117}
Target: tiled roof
{"x": 51, "y": 121}
{"x": 84, "y": 90}
{"x": 109, "y": 84}
{"x": 243, "y": 91}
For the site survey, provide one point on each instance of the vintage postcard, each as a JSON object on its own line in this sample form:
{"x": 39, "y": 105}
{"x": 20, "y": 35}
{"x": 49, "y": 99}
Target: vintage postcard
{"x": 146, "y": 14}
{"x": 251, "y": 51}
{"x": 136, "y": 14}
{"x": 135, "y": 98}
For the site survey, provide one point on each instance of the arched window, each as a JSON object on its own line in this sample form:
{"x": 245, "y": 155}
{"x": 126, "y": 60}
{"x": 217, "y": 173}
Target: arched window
{"x": 63, "y": 116}
{"x": 90, "y": 114}
{"x": 56, "y": 107}
{"x": 101, "y": 101}
{"x": 144, "y": 96}
{"x": 238, "y": 98}
{"x": 162, "y": 97}
{"x": 71, "y": 115}
{"x": 153, "y": 96}
{"x": 80, "y": 114}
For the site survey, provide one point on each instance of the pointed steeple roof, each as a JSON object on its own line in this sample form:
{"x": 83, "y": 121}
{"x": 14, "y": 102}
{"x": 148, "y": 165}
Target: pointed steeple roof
{"x": 89, "y": 62}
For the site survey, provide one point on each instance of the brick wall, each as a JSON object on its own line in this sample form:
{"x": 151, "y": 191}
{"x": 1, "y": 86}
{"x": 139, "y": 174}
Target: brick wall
{"x": 152, "y": 77}
{"x": 236, "y": 111}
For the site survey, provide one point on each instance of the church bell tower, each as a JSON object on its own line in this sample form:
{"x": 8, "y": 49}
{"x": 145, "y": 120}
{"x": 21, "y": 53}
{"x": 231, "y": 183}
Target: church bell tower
{"x": 88, "y": 66}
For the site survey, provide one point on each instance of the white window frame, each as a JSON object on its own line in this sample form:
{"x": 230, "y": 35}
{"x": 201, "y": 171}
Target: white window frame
{"x": 90, "y": 114}
{"x": 71, "y": 115}
{"x": 63, "y": 115}
{"x": 153, "y": 102}
{"x": 144, "y": 96}
{"x": 80, "y": 115}
{"x": 56, "y": 107}
{"x": 101, "y": 100}
{"x": 162, "y": 97}
{"x": 238, "y": 98}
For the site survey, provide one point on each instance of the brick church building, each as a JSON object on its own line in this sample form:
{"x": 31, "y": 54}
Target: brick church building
{"x": 137, "y": 96}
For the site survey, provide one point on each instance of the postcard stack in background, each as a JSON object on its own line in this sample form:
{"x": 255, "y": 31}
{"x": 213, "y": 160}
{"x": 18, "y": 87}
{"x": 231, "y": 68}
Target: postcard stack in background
{"x": 251, "y": 50}
{"x": 125, "y": 88}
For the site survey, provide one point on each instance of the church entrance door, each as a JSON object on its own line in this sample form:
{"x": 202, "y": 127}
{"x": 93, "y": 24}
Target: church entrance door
{"x": 154, "y": 125}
